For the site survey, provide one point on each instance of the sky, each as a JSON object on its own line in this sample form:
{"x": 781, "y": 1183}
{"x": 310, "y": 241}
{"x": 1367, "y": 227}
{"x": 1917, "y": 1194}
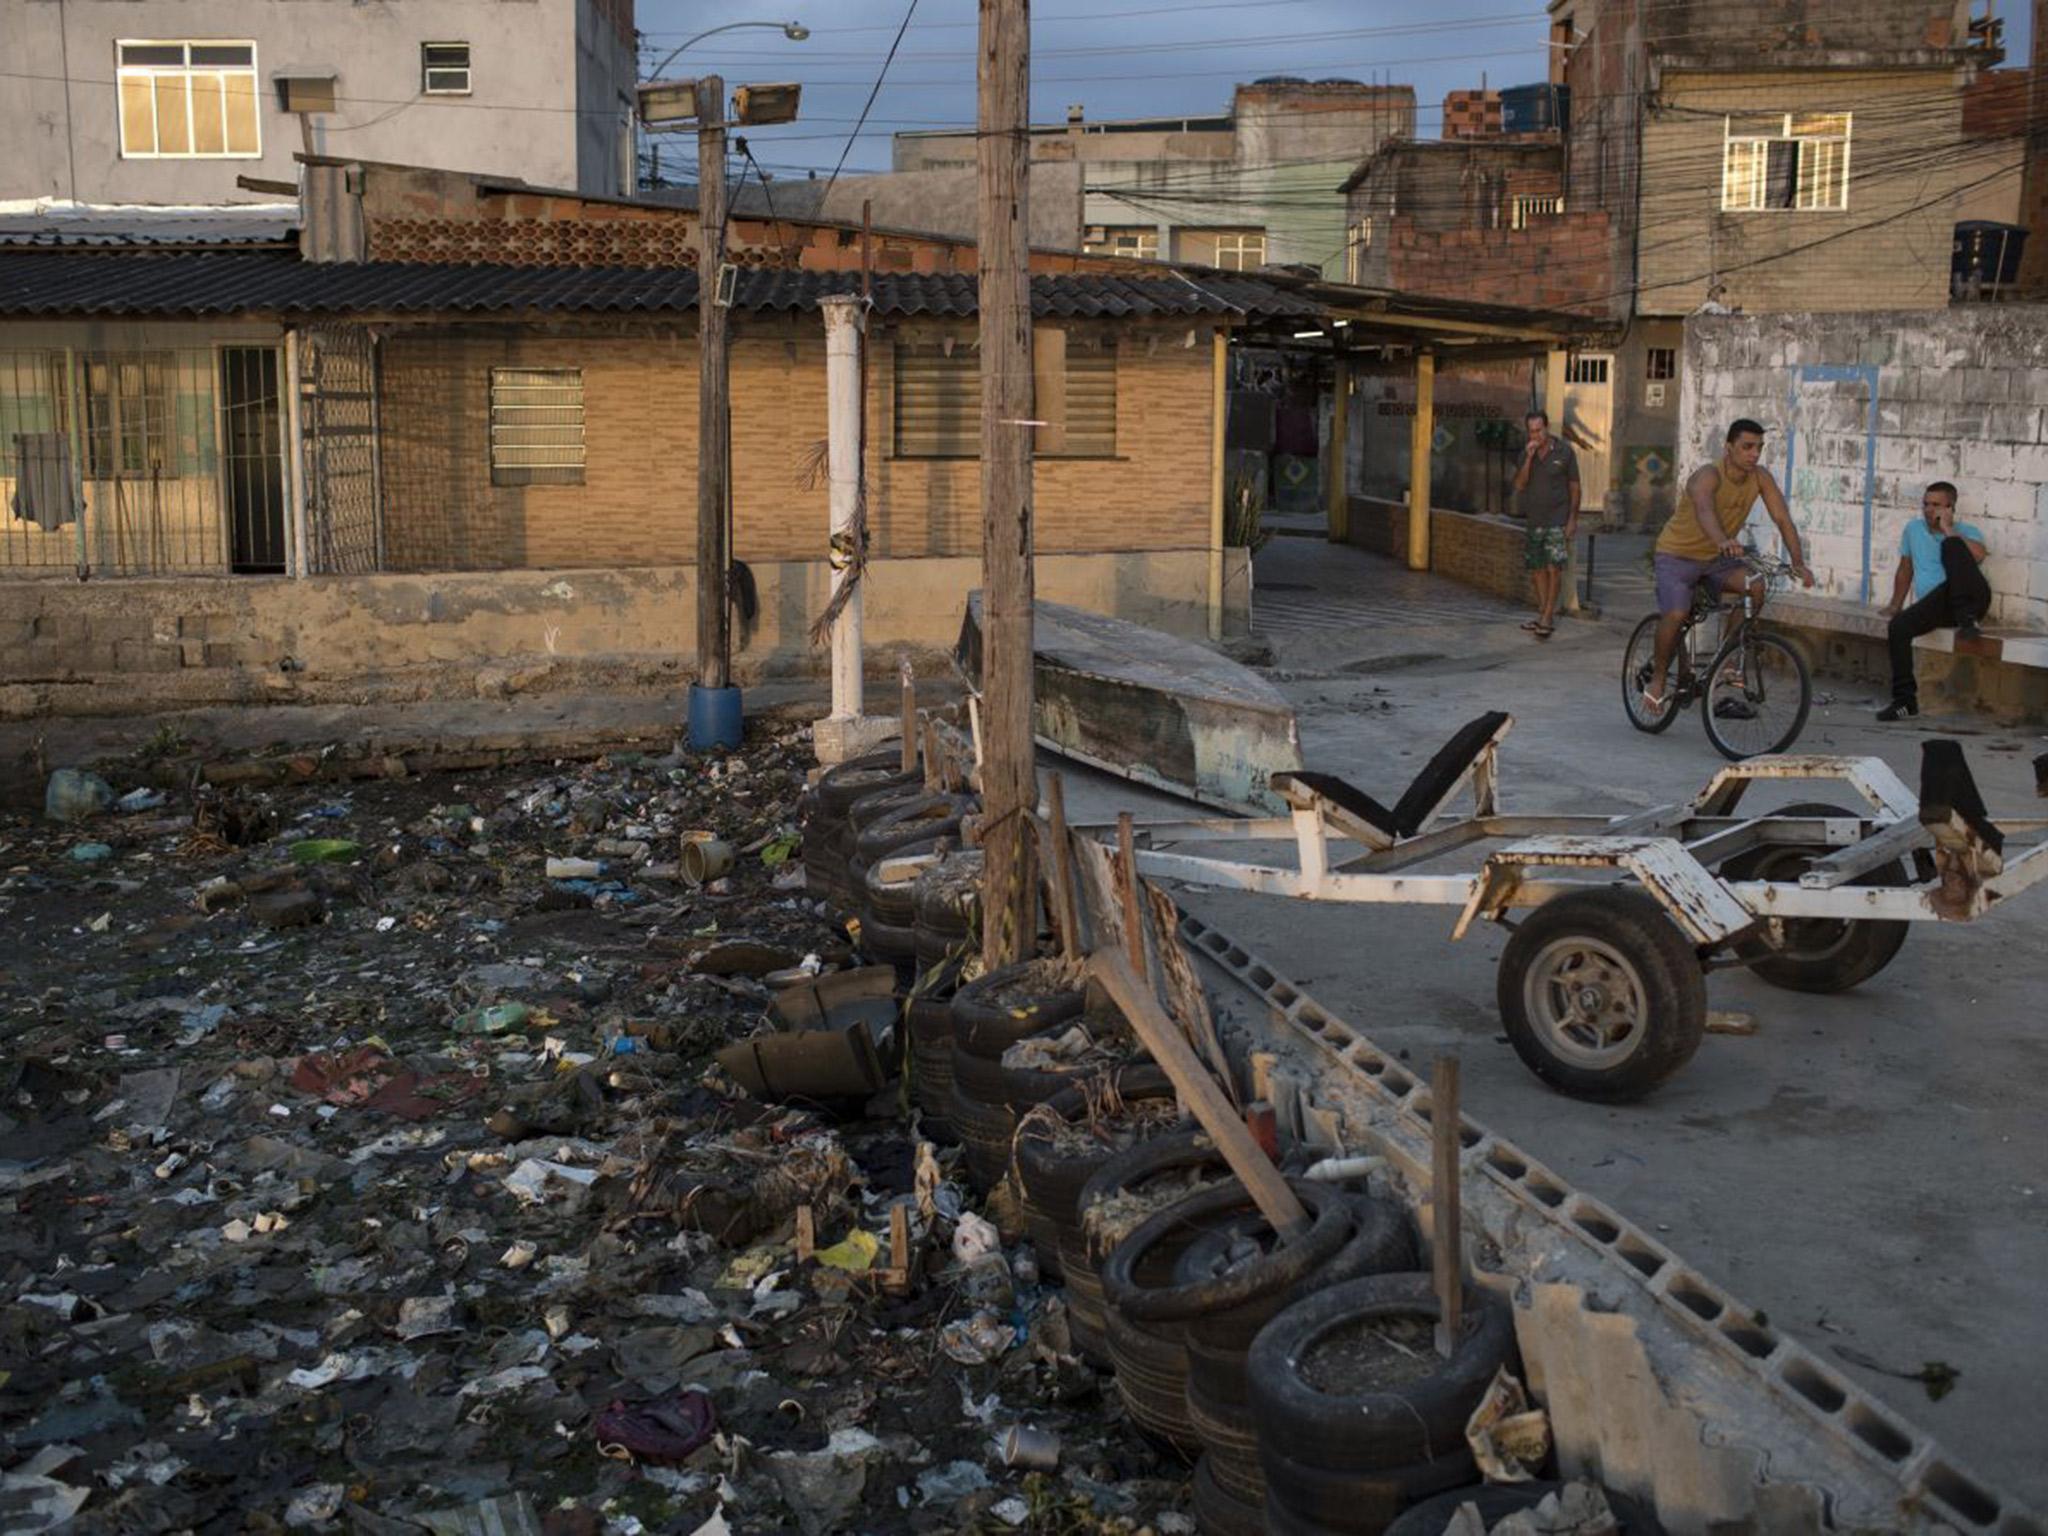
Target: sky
{"x": 1116, "y": 58}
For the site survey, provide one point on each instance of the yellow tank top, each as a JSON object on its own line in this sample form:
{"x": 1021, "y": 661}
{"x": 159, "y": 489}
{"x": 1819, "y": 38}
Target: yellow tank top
{"x": 1733, "y": 498}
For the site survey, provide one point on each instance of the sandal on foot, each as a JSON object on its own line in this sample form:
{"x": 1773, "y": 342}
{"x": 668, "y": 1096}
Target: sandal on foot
{"x": 1544, "y": 631}
{"x": 1532, "y": 625}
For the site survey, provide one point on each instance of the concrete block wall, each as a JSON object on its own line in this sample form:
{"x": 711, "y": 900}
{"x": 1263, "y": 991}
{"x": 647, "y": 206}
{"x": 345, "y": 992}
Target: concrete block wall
{"x": 132, "y": 647}
{"x": 1959, "y": 394}
{"x": 1477, "y": 549}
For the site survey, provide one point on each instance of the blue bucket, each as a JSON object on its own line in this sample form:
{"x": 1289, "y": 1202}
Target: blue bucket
{"x": 716, "y": 719}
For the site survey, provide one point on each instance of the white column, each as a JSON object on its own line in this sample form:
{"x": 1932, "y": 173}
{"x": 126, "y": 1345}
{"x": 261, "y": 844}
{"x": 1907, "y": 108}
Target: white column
{"x": 843, "y": 406}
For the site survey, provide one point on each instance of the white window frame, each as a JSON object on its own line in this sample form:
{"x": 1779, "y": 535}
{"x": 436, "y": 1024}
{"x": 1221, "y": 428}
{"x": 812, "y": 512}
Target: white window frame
{"x": 428, "y": 71}
{"x": 1527, "y": 206}
{"x": 1652, "y": 356}
{"x": 1138, "y": 242}
{"x": 187, "y": 72}
{"x": 1745, "y": 165}
{"x": 1240, "y": 243}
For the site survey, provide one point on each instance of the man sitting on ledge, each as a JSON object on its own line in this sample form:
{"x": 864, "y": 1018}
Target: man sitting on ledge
{"x": 1940, "y": 561}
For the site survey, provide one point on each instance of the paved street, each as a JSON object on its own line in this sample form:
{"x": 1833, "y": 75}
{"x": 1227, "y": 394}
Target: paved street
{"x": 1868, "y": 1169}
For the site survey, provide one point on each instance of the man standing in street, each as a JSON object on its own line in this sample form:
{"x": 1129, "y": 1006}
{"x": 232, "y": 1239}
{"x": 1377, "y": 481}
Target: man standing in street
{"x": 1940, "y": 566}
{"x": 1702, "y": 543}
{"x": 1547, "y": 493}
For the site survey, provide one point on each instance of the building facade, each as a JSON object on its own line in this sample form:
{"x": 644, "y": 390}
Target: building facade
{"x": 1237, "y": 190}
{"x": 180, "y": 101}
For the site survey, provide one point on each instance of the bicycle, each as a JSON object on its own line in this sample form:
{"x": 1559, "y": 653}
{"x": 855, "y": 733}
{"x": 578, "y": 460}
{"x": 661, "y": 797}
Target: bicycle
{"x": 1757, "y": 691}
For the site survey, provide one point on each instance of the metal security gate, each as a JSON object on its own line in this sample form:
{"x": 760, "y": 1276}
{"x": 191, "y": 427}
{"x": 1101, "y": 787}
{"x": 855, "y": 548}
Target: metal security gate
{"x": 1589, "y": 423}
{"x": 344, "y": 475}
{"x": 252, "y": 459}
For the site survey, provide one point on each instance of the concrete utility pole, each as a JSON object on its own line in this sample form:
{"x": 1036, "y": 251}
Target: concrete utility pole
{"x": 848, "y": 731}
{"x": 1008, "y": 787}
{"x": 714, "y": 634}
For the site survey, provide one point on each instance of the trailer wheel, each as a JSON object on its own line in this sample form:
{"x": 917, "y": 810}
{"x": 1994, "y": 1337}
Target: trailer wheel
{"x": 1820, "y": 954}
{"x": 1602, "y": 995}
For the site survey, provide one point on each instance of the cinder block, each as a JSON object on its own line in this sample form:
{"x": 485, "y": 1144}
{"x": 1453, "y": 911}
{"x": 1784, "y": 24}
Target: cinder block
{"x": 146, "y": 656}
{"x": 2016, "y": 423}
{"x": 2030, "y": 463}
{"x": 227, "y": 654}
{"x": 69, "y": 629}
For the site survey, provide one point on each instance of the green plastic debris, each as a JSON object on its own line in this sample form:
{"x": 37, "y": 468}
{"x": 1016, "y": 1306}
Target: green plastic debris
{"x": 497, "y": 1019}
{"x": 778, "y": 852}
{"x": 324, "y": 850}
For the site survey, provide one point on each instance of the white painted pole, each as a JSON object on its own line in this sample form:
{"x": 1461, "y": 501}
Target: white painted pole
{"x": 843, "y": 407}
{"x": 295, "y": 456}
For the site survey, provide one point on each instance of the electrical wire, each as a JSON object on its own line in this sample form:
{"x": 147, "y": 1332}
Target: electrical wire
{"x": 908, "y": 12}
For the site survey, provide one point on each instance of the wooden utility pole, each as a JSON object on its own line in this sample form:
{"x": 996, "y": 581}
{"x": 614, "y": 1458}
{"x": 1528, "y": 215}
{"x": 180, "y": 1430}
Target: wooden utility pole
{"x": 714, "y": 638}
{"x": 1008, "y": 790}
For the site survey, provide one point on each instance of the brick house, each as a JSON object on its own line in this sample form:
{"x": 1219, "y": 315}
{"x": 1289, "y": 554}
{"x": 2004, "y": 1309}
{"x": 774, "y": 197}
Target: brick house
{"x": 495, "y": 465}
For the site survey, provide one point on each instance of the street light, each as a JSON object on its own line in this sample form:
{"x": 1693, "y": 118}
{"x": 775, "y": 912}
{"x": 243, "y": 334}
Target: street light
{"x": 684, "y": 95}
{"x": 795, "y": 31}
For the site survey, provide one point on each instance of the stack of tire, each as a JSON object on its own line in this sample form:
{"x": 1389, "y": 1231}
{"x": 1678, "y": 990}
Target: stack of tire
{"x": 829, "y": 828}
{"x": 947, "y": 908}
{"x": 1060, "y": 1146}
{"x": 990, "y": 1015}
{"x": 1345, "y": 1444}
{"x": 1228, "y": 1284}
{"x": 1150, "y": 1360}
{"x": 929, "y": 1016}
{"x": 917, "y": 824}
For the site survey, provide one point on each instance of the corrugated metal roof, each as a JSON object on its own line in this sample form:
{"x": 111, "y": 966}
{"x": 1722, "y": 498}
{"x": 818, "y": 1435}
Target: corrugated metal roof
{"x": 47, "y": 221}
{"x": 34, "y": 283}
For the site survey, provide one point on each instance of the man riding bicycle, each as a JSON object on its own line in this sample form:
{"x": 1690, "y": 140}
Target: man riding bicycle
{"x": 1702, "y": 543}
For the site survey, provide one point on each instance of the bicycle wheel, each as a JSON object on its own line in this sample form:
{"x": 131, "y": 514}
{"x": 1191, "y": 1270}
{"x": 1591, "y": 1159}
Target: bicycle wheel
{"x": 1636, "y": 664}
{"x": 1757, "y": 695}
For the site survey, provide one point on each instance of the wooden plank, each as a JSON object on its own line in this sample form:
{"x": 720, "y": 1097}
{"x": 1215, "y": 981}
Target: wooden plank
{"x": 1185, "y": 994}
{"x": 1065, "y": 905}
{"x": 909, "y": 722}
{"x": 1199, "y": 1092}
{"x": 1446, "y": 1227}
{"x": 1127, "y": 890}
{"x": 806, "y": 1234}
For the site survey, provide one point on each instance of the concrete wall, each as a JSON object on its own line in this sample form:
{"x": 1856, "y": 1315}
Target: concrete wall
{"x": 1865, "y": 409}
{"x": 135, "y": 646}
{"x": 1773, "y": 260}
{"x": 525, "y": 54}
{"x": 941, "y": 201}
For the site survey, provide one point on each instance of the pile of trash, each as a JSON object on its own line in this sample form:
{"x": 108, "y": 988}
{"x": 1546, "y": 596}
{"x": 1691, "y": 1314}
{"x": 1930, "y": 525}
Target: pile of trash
{"x": 377, "y": 1159}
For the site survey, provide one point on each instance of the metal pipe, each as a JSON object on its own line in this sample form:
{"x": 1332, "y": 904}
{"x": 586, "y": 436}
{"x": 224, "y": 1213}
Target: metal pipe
{"x": 843, "y": 468}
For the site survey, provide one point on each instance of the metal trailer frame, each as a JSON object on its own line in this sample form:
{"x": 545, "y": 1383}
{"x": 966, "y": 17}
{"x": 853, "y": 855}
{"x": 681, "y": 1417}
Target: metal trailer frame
{"x": 1936, "y": 864}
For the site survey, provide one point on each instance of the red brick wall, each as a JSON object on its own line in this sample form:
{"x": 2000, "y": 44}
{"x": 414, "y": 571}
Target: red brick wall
{"x": 1555, "y": 263}
{"x": 1471, "y": 114}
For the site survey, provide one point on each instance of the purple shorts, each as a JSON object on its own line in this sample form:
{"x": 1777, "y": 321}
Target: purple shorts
{"x": 1677, "y": 576}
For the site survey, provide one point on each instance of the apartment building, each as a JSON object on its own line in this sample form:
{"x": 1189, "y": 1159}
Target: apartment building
{"x": 1241, "y": 189}
{"x": 186, "y": 101}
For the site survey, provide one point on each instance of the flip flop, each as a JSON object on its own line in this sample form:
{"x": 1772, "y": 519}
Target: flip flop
{"x": 1655, "y": 704}
{"x": 1544, "y": 631}
{"x": 1532, "y": 625}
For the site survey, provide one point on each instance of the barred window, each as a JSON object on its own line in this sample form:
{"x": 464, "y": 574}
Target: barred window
{"x": 537, "y": 426}
{"x": 1660, "y": 363}
{"x": 127, "y": 401}
{"x": 938, "y": 403}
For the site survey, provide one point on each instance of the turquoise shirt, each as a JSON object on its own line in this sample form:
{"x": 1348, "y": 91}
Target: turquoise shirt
{"x": 1922, "y": 545}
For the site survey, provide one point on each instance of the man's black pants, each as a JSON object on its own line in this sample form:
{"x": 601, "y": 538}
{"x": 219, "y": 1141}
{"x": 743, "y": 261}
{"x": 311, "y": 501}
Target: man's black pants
{"x": 1963, "y": 596}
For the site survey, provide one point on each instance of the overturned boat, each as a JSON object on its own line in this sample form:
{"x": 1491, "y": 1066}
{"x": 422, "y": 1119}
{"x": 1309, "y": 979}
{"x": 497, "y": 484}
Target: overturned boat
{"x": 1151, "y": 708}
